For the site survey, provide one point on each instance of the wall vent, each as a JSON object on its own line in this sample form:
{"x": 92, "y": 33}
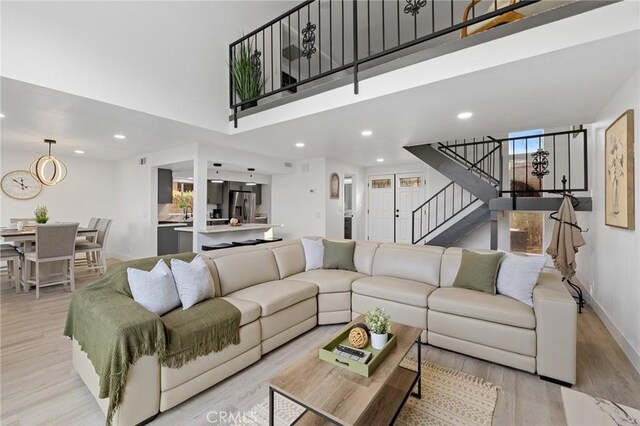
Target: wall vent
{"x": 143, "y": 161}
{"x": 288, "y": 165}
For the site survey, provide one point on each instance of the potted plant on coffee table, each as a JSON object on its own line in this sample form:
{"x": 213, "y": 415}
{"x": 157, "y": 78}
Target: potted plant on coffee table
{"x": 246, "y": 73}
{"x": 379, "y": 323}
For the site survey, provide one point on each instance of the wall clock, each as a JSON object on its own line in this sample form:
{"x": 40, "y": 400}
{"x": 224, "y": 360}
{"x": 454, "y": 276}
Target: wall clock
{"x": 21, "y": 185}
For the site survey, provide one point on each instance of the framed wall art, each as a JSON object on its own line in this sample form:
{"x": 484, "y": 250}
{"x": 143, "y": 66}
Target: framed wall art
{"x": 619, "y": 174}
{"x": 334, "y": 186}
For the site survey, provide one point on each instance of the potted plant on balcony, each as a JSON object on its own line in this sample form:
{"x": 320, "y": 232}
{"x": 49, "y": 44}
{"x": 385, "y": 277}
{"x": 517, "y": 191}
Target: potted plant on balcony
{"x": 379, "y": 323}
{"x": 246, "y": 73}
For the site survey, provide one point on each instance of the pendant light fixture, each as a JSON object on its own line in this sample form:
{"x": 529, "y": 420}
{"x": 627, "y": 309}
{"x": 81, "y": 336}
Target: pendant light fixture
{"x": 48, "y": 169}
{"x": 251, "y": 181}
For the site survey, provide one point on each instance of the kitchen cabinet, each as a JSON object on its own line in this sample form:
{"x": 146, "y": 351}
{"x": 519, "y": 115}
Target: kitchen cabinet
{"x": 168, "y": 242}
{"x": 165, "y": 186}
{"x": 214, "y": 193}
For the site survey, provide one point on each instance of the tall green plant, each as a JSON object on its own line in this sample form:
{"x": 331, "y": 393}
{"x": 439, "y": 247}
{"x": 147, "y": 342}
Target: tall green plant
{"x": 247, "y": 78}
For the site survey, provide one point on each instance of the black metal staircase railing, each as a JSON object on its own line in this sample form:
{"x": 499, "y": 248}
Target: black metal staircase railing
{"x": 526, "y": 165}
{"x": 319, "y": 38}
{"x": 440, "y": 209}
{"x": 482, "y": 158}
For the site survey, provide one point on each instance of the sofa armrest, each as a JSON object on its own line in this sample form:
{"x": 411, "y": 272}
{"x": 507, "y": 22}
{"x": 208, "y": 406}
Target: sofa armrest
{"x": 556, "y": 319}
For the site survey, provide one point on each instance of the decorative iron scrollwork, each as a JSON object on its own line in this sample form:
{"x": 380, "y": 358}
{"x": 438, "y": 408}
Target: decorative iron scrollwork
{"x": 256, "y": 63}
{"x": 540, "y": 163}
{"x": 308, "y": 40}
{"x": 413, "y": 6}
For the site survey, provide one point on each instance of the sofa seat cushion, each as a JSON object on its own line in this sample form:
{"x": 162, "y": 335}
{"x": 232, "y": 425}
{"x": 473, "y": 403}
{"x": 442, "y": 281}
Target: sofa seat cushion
{"x": 488, "y": 307}
{"x": 274, "y": 296}
{"x": 329, "y": 280}
{"x": 249, "y": 311}
{"x": 399, "y": 290}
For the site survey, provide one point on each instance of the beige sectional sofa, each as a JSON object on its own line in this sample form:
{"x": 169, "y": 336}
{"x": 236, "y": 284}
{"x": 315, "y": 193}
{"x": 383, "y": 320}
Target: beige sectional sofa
{"x": 279, "y": 301}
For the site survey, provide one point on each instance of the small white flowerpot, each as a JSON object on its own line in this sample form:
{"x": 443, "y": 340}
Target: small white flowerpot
{"x": 379, "y": 340}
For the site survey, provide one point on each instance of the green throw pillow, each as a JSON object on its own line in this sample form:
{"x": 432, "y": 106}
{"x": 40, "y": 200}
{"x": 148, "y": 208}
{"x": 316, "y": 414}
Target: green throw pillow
{"x": 339, "y": 255}
{"x": 478, "y": 271}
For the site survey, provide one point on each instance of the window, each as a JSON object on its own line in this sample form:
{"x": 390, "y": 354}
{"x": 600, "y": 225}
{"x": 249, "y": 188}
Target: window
{"x": 526, "y": 229}
{"x": 381, "y": 183}
{"x": 411, "y": 182}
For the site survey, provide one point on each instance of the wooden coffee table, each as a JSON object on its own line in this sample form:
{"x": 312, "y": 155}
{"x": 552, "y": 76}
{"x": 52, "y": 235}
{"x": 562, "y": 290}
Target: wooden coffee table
{"x": 335, "y": 395}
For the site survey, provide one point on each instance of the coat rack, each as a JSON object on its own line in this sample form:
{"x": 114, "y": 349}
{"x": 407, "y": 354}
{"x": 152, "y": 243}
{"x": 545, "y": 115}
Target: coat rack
{"x": 575, "y": 203}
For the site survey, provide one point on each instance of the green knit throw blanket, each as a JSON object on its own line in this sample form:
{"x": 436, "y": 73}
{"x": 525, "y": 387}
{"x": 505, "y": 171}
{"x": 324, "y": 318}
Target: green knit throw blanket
{"x": 115, "y": 331}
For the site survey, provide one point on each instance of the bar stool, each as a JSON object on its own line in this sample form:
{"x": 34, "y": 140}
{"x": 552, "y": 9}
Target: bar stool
{"x": 269, "y": 240}
{"x": 217, "y": 247}
{"x": 246, "y": 243}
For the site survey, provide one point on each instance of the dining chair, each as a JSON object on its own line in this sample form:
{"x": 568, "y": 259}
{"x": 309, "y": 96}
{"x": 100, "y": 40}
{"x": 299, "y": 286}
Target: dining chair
{"x": 9, "y": 254}
{"x": 54, "y": 243}
{"x": 95, "y": 251}
{"x": 88, "y": 258}
{"x": 15, "y": 220}
{"x": 505, "y": 18}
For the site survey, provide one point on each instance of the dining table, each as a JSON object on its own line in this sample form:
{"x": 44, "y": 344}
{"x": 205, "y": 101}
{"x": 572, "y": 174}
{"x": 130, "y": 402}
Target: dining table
{"x": 28, "y": 234}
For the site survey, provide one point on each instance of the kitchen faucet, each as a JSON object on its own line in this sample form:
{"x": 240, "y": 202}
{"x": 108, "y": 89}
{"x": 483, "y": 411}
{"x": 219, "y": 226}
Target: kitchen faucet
{"x": 186, "y": 212}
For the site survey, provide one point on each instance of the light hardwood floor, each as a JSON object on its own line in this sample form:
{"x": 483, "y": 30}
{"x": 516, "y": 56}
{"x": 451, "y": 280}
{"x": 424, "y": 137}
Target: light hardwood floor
{"x": 39, "y": 386}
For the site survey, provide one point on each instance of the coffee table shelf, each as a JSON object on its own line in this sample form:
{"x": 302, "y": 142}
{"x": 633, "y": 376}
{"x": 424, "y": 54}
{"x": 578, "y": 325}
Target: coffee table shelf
{"x": 338, "y": 396}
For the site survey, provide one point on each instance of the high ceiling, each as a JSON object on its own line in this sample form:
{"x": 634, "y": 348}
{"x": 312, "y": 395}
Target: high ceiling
{"x": 153, "y": 78}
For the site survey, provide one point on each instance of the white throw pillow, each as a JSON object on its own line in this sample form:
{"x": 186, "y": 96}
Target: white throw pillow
{"x": 155, "y": 289}
{"x": 518, "y": 276}
{"x": 313, "y": 253}
{"x": 193, "y": 281}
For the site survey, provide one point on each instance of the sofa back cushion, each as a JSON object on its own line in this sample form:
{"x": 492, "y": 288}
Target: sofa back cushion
{"x": 417, "y": 263}
{"x": 451, "y": 260}
{"x": 363, "y": 256}
{"x": 289, "y": 258}
{"x": 241, "y": 270}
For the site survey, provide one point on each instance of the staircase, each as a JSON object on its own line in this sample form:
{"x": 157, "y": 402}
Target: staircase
{"x": 479, "y": 190}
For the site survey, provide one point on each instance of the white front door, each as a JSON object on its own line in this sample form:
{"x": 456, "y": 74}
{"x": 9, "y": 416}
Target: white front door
{"x": 381, "y": 208}
{"x": 410, "y": 194}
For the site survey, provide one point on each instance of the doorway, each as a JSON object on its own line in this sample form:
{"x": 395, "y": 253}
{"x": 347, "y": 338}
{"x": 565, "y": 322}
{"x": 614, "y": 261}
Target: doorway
{"x": 392, "y": 200}
{"x": 349, "y": 206}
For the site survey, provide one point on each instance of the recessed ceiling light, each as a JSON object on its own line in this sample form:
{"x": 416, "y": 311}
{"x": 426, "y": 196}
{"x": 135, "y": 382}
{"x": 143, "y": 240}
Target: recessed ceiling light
{"x": 217, "y": 181}
{"x": 1, "y": 115}
{"x": 79, "y": 151}
{"x": 190, "y": 178}
{"x": 465, "y": 115}
{"x": 251, "y": 184}
{"x": 300, "y": 144}
{"x": 119, "y": 136}
{"x": 366, "y": 133}
{"x": 380, "y": 160}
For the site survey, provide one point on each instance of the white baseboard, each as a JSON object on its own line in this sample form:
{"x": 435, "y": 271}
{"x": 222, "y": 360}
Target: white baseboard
{"x": 628, "y": 350}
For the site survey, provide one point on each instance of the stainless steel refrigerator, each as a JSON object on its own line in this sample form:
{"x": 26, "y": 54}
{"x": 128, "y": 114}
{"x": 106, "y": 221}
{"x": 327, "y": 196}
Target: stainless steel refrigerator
{"x": 242, "y": 206}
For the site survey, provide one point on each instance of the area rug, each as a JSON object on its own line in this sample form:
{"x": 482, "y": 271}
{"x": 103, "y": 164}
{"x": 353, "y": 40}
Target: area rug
{"x": 581, "y": 409}
{"x": 449, "y": 397}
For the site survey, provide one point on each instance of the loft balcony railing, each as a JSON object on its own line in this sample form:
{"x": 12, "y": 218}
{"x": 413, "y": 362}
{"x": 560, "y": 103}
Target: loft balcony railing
{"x": 319, "y": 38}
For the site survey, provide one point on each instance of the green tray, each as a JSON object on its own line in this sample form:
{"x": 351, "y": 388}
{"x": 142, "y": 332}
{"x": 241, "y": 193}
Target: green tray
{"x": 377, "y": 355}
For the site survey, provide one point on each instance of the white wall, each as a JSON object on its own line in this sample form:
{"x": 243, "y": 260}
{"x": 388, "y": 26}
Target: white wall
{"x": 89, "y": 190}
{"x": 615, "y": 252}
{"x": 298, "y": 200}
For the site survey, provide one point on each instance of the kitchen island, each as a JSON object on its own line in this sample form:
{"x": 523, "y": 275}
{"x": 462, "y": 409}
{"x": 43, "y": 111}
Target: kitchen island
{"x": 217, "y": 234}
